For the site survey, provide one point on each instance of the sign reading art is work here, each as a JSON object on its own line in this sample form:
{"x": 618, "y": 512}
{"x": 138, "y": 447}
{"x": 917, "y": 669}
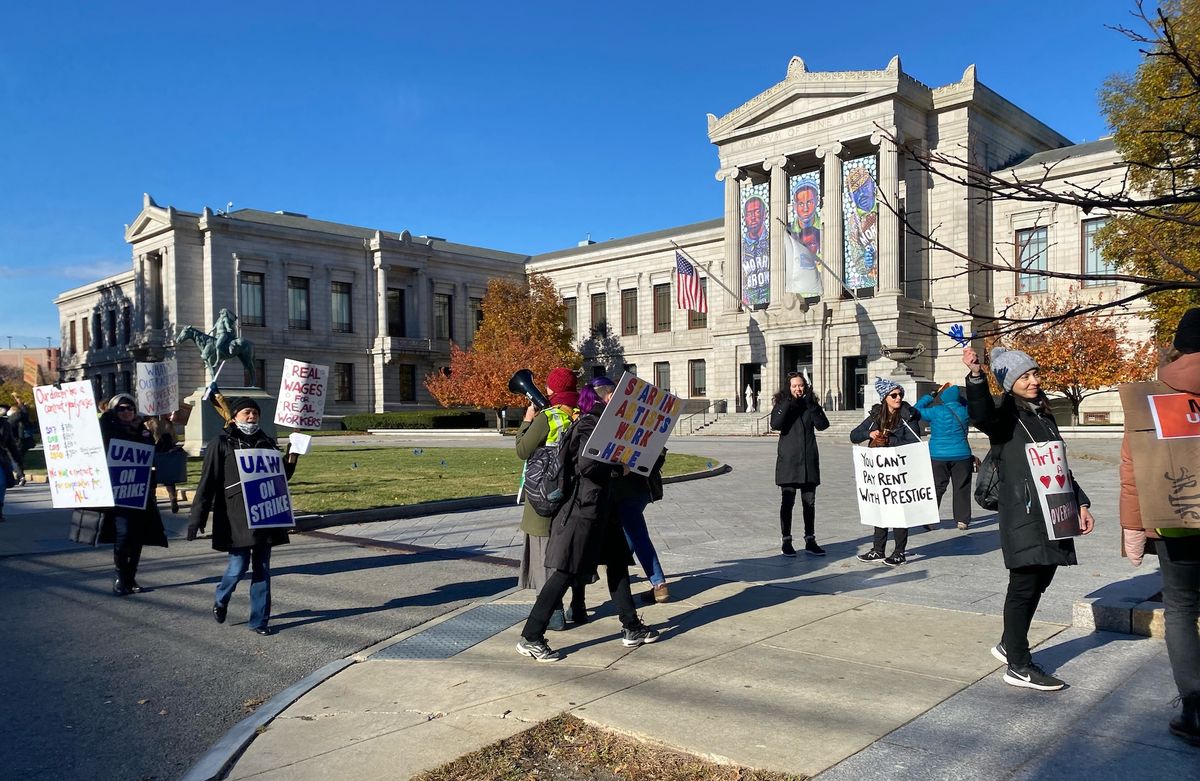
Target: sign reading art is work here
{"x": 264, "y": 488}
{"x": 895, "y": 486}
{"x": 301, "y": 395}
{"x": 634, "y": 426}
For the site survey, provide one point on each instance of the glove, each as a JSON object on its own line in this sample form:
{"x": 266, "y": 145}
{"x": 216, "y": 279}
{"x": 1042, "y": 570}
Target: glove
{"x": 1134, "y": 542}
{"x": 192, "y": 532}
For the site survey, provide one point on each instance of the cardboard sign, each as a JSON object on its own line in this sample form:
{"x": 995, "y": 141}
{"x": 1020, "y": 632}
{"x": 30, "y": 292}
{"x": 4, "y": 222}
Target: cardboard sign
{"x": 1166, "y": 459}
{"x": 301, "y": 395}
{"x": 129, "y": 465}
{"x": 32, "y": 371}
{"x": 634, "y": 426}
{"x": 76, "y": 465}
{"x": 1055, "y": 488}
{"x": 895, "y": 486}
{"x": 158, "y": 387}
{"x": 264, "y": 488}
{"x": 1176, "y": 415}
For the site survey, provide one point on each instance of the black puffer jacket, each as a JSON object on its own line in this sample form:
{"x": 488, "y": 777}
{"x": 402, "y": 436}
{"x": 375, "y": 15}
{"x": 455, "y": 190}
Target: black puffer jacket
{"x": 220, "y": 492}
{"x": 586, "y": 531}
{"x": 904, "y": 432}
{"x": 1023, "y": 537}
{"x": 797, "y": 421}
{"x": 146, "y": 525}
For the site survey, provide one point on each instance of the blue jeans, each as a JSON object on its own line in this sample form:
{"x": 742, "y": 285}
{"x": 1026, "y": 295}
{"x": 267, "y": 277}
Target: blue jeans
{"x": 631, "y": 511}
{"x": 240, "y": 559}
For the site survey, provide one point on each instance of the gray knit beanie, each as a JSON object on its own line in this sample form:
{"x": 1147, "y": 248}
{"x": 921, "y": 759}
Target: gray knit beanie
{"x": 1008, "y": 365}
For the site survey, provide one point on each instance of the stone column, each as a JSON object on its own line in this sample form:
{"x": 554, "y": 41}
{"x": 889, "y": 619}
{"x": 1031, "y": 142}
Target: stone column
{"x": 381, "y": 294}
{"x": 887, "y": 191}
{"x": 733, "y": 239}
{"x": 424, "y": 304}
{"x": 777, "y": 168}
{"x": 142, "y": 300}
{"x": 831, "y": 220}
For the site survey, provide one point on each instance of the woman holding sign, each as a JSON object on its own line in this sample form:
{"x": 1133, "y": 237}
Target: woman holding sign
{"x": 127, "y": 527}
{"x": 796, "y": 415}
{"x": 220, "y": 492}
{"x": 892, "y": 423}
{"x": 1021, "y": 425}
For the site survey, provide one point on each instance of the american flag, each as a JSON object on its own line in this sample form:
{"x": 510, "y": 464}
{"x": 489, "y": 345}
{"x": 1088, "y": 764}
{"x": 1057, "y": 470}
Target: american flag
{"x": 689, "y": 294}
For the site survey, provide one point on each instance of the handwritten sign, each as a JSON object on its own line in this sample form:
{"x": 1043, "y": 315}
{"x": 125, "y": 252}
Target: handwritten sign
{"x": 1055, "y": 488}
{"x": 129, "y": 465}
{"x": 301, "y": 395}
{"x": 895, "y": 486}
{"x": 1166, "y": 454}
{"x": 264, "y": 488}
{"x": 76, "y": 464}
{"x": 635, "y": 425}
{"x": 158, "y": 387}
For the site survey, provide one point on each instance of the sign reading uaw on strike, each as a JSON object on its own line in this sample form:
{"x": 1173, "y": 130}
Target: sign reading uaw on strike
{"x": 301, "y": 395}
{"x": 264, "y": 488}
{"x": 895, "y": 486}
{"x": 129, "y": 465}
{"x": 634, "y": 426}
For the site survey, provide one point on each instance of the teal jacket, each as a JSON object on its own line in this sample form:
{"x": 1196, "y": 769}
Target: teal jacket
{"x": 949, "y": 423}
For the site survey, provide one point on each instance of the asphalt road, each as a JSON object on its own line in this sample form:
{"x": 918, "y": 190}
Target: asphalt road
{"x": 137, "y": 688}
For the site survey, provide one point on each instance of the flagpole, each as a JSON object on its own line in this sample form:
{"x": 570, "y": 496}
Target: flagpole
{"x": 706, "y": 268}
{"x": 824, "y": 267}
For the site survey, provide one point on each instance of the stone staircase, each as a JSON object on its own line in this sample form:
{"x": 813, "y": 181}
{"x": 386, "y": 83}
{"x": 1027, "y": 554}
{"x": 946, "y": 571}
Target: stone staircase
{"x": 749, "y": 424}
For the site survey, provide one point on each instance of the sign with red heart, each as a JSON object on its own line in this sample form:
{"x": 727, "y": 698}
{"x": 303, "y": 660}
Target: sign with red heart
{"x": 1054, "y": 487}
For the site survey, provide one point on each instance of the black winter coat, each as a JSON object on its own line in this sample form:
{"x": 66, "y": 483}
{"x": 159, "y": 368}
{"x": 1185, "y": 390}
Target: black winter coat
{"x": 1023, "y": 537}
{"x": 146, "y": 525}
{"x": 586, "y": 531}
{"x": 797, "y": 421}
{"x": 220, "y": 492}
{"x": 900, "y": 435}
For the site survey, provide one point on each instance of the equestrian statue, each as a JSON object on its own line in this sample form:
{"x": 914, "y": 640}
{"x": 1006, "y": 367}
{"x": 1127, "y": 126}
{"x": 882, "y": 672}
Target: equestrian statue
{"x": 221, "y": 344}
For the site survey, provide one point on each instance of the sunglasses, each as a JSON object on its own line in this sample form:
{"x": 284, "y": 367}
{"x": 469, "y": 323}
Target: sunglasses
{"x": 896, "y": 395}
{"x": 126, "y": 408}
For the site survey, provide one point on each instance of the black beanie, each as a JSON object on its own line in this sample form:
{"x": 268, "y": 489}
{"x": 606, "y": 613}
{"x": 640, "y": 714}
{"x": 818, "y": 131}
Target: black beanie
{"x": 1187, "y": 334}
{"x": 244, "y": 402}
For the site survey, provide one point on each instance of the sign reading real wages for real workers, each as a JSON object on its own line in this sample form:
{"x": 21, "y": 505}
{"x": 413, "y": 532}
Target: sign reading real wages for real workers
{"x": 895, "y": 486}
{"x": 301, "y": 395}
{"x": 264, "y": 488}
{"x": 634, "y": 426}
{"x": 129, "y": 465}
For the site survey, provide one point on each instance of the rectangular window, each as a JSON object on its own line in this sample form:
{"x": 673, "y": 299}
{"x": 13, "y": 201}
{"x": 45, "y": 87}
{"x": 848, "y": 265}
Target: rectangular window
{"x": 298, "y": 317}
{"x": 84, "y": 336}
{"x": 699, "y": 319}
{"x": 475, "y": 315}
{"x": 1093, "y": 261}
{"x": 662, "y": 375}
{"x": 97, "y": 335}
{"x": 408, "y": 382}
{"x": 126, "y": 325}
{"x": 599, "y": 310}
{"x": 696, "y": 379}
{"x": 662, "y": 308}
{"x": 572, "y": 316}
{"x": 1031, "y": 249}
{"x": 629, "y": 313}
{"x": 126, "y": 382}
{"x": 250, "y": 298}
{"x": 260, "y": 375}
{"x": 340, "y": 306}
{"x": 443, "y": 306}
{"x": 110, "y": 328}
{"x": 343, "y": 382}
{"x": 72, "y": 343}
{"x": 396, "y": 315}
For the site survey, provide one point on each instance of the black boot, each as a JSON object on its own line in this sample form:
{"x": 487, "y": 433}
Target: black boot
{"x": 121, "y": 582}
{"x": 131, "y": 567}
{"x": 785, "y": 531}
{"x": 1187, "y": 726}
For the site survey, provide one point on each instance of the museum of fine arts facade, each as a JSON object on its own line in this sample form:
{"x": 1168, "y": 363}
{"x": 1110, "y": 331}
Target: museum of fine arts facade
{"x": 808, "y": 268}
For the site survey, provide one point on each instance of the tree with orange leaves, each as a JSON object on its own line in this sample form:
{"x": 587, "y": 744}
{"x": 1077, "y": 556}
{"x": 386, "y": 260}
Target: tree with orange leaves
{"x": 524, "y": 327}
{"x": 1083, "y": 355}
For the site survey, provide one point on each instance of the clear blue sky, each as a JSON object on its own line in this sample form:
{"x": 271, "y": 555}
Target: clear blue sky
{"x": 519, "y": 126}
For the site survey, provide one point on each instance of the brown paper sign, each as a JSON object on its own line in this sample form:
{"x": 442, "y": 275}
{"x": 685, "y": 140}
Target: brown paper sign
{"x": 1166, "y": 461}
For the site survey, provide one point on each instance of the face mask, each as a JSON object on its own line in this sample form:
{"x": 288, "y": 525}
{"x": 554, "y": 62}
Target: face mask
{"x": 247, "y": 428}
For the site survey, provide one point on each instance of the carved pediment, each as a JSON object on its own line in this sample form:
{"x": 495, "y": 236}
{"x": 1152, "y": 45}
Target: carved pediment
{"x": 152, "y": 220}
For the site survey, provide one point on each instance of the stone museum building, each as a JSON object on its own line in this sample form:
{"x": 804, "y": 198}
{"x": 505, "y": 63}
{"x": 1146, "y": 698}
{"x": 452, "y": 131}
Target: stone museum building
{"x": 809, "y": 267}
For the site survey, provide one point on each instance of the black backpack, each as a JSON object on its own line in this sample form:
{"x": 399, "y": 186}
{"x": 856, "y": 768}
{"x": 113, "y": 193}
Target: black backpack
{"x": 987, "y": 484}
{"x": 549, "y": 478}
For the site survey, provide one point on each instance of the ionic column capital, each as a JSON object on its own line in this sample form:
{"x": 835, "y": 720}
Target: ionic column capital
{"x": 891, "y": 134}
{"x": 728, "y": 174}
{"x": 833, "y": 148}
{"x": 775, "y": 163}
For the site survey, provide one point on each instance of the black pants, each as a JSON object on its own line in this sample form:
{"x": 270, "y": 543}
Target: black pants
{"x": 1025, "y": 588}
{"x": 808, "y": 501}
{"x": 900, "y": 535}
{"x": 958, "y": 475}
{"x": 550, "y": 598}
{"x": 127, "y": 550}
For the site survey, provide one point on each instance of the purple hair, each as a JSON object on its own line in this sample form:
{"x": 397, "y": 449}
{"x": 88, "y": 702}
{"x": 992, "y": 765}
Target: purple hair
{"x": 588, "y": 398}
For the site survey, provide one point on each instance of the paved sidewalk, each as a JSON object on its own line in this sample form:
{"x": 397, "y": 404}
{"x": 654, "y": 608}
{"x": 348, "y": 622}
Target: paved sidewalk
{"x": 803, "y": 665}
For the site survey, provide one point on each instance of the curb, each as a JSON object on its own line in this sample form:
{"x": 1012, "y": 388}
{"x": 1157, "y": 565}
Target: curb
{"x": 1142, "y": 618}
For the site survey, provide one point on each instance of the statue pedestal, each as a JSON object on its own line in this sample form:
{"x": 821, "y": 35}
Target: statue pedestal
{"x": 914, "y": 386}
{"x": 205, "y": 422}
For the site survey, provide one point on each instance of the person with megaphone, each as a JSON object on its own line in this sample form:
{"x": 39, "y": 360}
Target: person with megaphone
{"x": 545, "y": 421}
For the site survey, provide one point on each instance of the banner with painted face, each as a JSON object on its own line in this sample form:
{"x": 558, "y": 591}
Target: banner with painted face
{"x": 860, "y": 223}
{"x": 802, "y": 239}
{"x": 635, "y": 425}
{"x": 895, "y": 486}
{"x": 129, "y": 467}
{"x": 1055, "y": 488}
{"x": 756, "y": 245}
{"x": 158, "y": 387}
{"x": 76, "y": 464}
{"x": 264, "y": 488}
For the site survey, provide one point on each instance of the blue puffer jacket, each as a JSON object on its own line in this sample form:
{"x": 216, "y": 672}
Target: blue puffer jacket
{"x": 948, "y": 424}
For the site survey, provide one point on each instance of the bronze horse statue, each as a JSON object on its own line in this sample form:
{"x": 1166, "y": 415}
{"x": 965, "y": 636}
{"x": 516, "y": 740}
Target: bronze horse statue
{"x": 216, "y": 349}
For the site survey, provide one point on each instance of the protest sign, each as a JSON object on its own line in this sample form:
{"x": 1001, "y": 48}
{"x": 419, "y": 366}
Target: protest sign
{"x": 895, "y": 486}
{"x": 158, "y": 387}
{"x": 264, "y": 488}
{"x": 299, "y": 443}
{"x": 33, "y": 370}
{"x": 1055, "y": 488}
{"x": 1159, "y": 426}
{"x": 301, "y": 395}
{"x": 634, "y": 426}
{"x": 76, "y": 465}
{"x": 129, "y": 465}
